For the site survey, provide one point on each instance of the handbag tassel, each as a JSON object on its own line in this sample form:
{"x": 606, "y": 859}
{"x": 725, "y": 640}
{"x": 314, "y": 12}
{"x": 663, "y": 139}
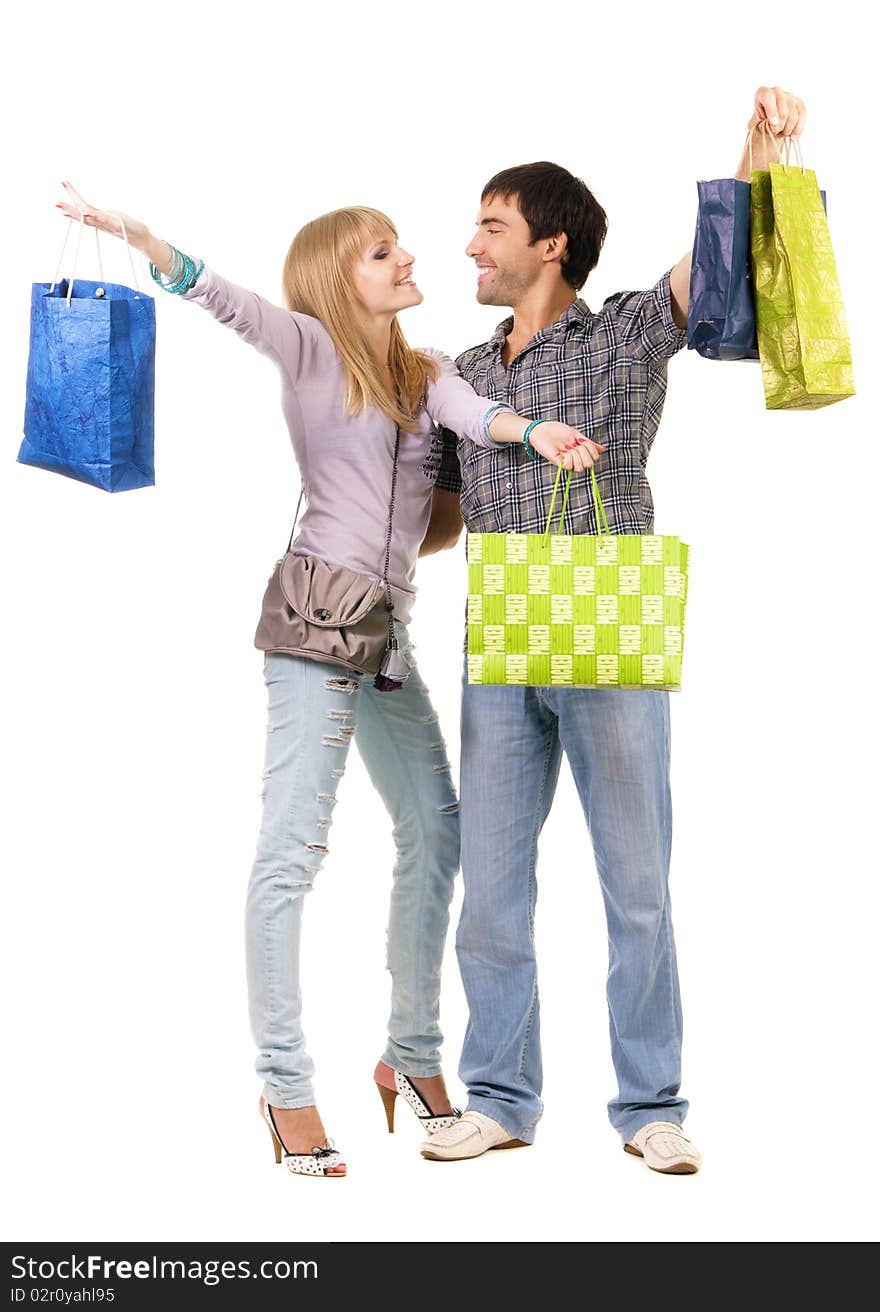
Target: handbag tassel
{"x": 393, "y": 671}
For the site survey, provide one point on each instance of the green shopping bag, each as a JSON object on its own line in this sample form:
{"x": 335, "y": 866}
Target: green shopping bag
{"x": 576, "y": 610}
{"x": 803, "y": 341}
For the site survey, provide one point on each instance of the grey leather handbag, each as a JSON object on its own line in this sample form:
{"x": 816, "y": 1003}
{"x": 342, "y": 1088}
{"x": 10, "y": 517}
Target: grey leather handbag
{"x": 325, "y": 612}
{"x": 330, "y": 613}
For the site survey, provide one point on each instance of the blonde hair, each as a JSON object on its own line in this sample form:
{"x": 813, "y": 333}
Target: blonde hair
{"x": 318, "y": 281}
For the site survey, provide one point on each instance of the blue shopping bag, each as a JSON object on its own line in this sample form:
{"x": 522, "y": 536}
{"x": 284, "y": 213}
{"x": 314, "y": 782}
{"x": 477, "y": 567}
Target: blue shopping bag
{"x": 721, "y": 305}
{"x": 90, "y": 383}
{"x": 721, "y": 301}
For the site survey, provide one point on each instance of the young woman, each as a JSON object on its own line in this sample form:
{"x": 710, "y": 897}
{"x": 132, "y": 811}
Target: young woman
{"x": 351, "y": 387}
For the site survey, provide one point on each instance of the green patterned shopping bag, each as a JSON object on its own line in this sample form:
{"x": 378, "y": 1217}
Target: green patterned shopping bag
{"x": 576, "y": 610}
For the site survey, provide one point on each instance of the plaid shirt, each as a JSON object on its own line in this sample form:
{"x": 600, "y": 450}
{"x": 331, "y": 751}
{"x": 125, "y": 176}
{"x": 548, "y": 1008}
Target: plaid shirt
{"x": 604, "y": 374}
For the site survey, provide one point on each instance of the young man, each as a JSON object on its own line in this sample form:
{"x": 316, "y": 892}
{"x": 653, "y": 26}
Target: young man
{"x": 539, "y": 233}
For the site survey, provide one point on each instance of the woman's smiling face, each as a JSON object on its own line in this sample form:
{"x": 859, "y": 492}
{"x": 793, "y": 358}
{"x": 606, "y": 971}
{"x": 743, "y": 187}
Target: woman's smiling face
{"x": 382, "y": 276}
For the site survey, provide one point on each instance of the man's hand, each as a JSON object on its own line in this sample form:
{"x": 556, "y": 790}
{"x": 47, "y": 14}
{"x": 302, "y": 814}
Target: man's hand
{"x": 778, "y": 114}
{"x": 784, "y": 111}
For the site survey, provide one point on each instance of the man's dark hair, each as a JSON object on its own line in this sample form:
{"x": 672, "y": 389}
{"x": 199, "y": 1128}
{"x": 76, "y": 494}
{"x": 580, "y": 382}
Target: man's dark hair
{"x": 552, "y": 200}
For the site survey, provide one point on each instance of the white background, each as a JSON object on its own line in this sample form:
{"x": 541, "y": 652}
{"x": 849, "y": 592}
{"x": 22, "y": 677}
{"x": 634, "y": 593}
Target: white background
{"x": 133, "y": 705}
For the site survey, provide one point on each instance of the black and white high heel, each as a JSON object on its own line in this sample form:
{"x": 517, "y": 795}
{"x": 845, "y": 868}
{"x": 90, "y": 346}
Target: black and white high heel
{"x": 390, "y": 1083}
{"x": 318, "y": 1162}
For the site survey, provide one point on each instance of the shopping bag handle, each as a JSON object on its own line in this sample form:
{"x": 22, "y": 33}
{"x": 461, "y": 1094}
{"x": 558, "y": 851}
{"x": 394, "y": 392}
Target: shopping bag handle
{"x": 82, "y": 224}
{"x": 751, "y": 132}
{"x": 601, "y": 517}
{"x": 799, "y": 157}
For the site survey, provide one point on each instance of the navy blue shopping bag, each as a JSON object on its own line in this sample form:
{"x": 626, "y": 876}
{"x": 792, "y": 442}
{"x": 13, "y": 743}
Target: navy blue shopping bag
{"x": 721, "y": 306}
{"x": 90, "y": 383}
{"x": 721, "y": 303}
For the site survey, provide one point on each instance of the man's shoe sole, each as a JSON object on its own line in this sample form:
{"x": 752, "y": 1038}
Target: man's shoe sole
{"x": 509, "y": 1143}
{"x": 685, "y": 1168}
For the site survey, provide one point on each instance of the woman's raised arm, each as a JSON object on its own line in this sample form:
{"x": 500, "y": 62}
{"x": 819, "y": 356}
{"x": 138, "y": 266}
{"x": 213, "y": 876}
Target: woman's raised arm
{"x": 298, "y": 343}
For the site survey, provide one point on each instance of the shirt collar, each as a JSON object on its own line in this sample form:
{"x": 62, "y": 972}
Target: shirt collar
{"x": 574, "y": 315}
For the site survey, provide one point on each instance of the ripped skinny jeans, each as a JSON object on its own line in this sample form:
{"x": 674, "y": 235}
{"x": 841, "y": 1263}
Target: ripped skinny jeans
{"x": 315, "y": 710}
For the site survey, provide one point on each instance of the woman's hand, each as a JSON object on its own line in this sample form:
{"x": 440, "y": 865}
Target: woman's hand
{"x": 565, "y": 446}
{"x": 138, "y": 233}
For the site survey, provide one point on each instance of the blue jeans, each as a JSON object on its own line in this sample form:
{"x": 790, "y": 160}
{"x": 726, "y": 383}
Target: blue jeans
{"x": 617, "y": 744}
{"x": 315, "y": 710}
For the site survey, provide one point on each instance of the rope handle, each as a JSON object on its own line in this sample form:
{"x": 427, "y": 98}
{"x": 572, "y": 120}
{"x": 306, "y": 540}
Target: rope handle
{"x": 82, "y": 224}
{"x": 750, "y": 135}
{"x": 601, "y": 517}
{"x": 787, "y": 144}
{"x": 798, "y": 153}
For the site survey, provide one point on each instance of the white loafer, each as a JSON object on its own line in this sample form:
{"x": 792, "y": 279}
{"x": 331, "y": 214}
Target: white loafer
{"x": 664, "y": 1148}
{"x": 472, "y": 1135}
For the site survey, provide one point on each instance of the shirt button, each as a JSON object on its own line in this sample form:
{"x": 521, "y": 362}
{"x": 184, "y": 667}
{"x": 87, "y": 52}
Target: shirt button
{"x": 508, "y": 485}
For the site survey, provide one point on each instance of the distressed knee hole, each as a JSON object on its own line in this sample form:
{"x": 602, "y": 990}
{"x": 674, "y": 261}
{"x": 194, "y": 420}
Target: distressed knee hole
{"x": 292, "y": 880}
{"x": 429, "y": 719}
{"x": 347, "y": 730}
{"x": 336, "y": 774}
{"x": 342, "y": 685}
{"x": 327, "y": 798}
{"x": 450, "y": 809}
{"x": 333, "y": 742}
{"x": 445, "y": 768}
{"x": 439, "y": 746}
{"x": 320, "y": 848}
{"x": 339, "y": 715}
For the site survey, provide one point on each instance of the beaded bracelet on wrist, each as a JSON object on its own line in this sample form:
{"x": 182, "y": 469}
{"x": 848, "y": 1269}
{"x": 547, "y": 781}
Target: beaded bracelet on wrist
{"x": 529, "y": 449}
{"x": 182, "y": 275}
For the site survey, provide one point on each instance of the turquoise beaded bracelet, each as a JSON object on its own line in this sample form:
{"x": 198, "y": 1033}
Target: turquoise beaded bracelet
{"x": 530, "y": 450}
{"x": 182, "y": 275}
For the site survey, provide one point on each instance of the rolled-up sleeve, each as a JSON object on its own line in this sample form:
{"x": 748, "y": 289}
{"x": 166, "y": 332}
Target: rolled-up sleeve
{"x": 453, "y": 404}
{"x": 642, "y": 322}
{"x": 297, "y": 342}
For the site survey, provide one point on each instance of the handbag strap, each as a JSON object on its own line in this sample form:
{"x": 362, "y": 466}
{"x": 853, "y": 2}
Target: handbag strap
{"x": 295, "y": 516}
{"x": 601, "y": 517}
{"x": 388, "y": 602}
{"x": 387, "y": 560}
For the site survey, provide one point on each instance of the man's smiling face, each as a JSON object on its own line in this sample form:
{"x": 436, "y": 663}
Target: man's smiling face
{"x": 507, "y": 264}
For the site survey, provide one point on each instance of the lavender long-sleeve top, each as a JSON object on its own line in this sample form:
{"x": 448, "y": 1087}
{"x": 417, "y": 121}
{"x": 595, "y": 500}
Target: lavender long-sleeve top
{"x": 346, "y": 463}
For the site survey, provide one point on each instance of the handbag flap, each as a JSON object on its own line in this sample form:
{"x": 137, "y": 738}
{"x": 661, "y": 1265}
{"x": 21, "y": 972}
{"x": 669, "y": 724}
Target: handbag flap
{"x": 329, "y": 596}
